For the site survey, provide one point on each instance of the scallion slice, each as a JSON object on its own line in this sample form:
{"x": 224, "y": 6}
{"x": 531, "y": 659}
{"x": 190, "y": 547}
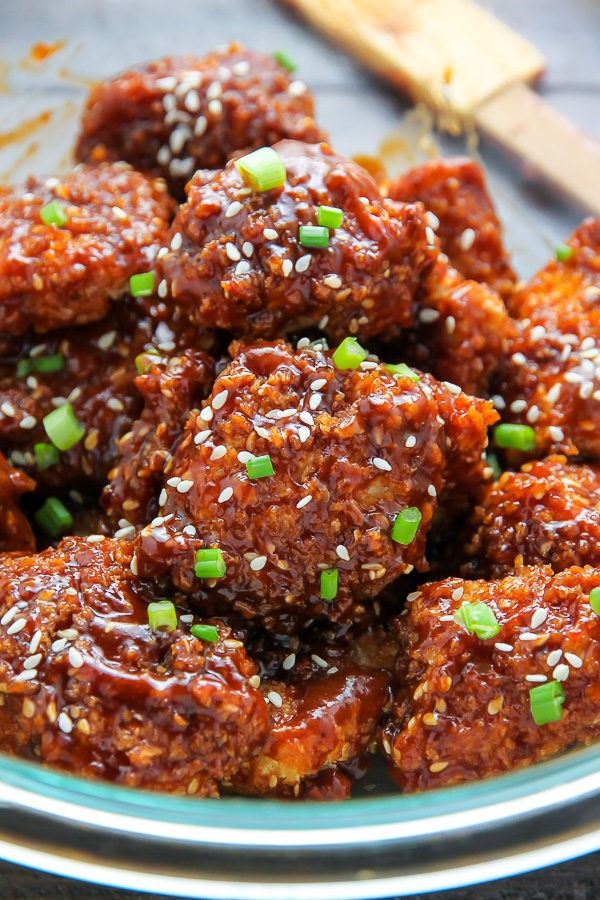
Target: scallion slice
{"x": 162, "y": 615}
{"x": 205, "y": 633}
{"x": 349, "y": 354}
{"x": 329, "y": 584}
{"x": 53, "y": 517}
{"x": 563, "y": 252}
{"x": 62, "y": 427}
{"x": 517, "y": 437}
{"x": 595, "y": 600}
{"x": 406, "y": 525}
{"x": 210, "y": 563}
{"x": 53, "y": 363}
{"x": 24, "y": 367}
{"x": 46, "y": 455}
{"x": 492, "y": 461}
{"x": 285, "y": 60}
{"x": 546, "y": 702}
{"x": 144, "y": 361}
{"x": 313, "y": 235}
{"x": 142, "y": 285}
{"x": 54, "y": 213}
{"x": 260, "y": 467}
{"x": 403, "y": 370}
{"x": 330, "y": 216}
{"x": 262, "y": 169}
{"x": 479, "y": 619}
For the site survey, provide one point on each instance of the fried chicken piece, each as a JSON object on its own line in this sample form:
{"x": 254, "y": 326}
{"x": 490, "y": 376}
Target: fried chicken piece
{"x": 350, "y": 451}
{"x": 173, "y": 389}
{"x": 53, "y": 276}
{"x": 175, "y": 115}
{"x": 464, "y": 709}
{"x": 546, "y": 514}
{"x": 97, "y": 378}
{"x": 15, "y": 530}
{"x": 549, "y": 377}
{"x": 461, "y": 332}
{"x": 236, "y": 261}
{"x": 469, "y": 231}
{"x": 89, "y": 687}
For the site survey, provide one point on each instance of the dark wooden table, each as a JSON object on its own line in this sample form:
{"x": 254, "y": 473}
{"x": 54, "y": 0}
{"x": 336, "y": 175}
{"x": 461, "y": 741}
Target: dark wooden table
{"x": 360, "y": 112}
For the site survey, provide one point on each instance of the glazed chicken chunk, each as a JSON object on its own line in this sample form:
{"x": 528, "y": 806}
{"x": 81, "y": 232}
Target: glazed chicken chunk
{"x": 88, "y": 686}
{"x": 69, "y": 245}
{"x": 546, "y": 514}
{"x": 15, "y": 530}
{"x": 292, "y": 479}
{"x": 528, "y": 688}
{"x": 239, "y": 260}
{"x": 175, "y": 115}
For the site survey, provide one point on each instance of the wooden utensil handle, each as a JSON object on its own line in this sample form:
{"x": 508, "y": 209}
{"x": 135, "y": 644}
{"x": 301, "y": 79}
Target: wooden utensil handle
{"x": 522, "y": 122}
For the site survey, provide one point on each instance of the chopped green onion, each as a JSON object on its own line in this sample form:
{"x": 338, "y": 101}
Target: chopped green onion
{"x": 546, "y": 702}
{"x": 142, "y": 285}
{"x": 260, "y": 467}
{"x": 53, "y": 517}
{"x": 263, "y": 169}
{"x": 24, "y": 367}
{"x": 517, "y": 437}
{"x": 54, "y": 213}
{"x": 492, "y": 461}
{"x": 403, "y": 370}
{"x": 144, "y": 361}
{"x": 314, "y": 236}
{"x": 330, "y": 216}
{"x": 329, "y": 584}
{"x": 285, "y": 60}
{"x": 62, "y": 427}
{"x": 406, "y": 525}
{"x": 46, "y": 455}
{"x": 53, "y": 363}
{"x": 595, "y": 600}
{"x": 349, "y": 354}
{"x": 210, "y": 563}
{"x": 563, "y": 252}
{"x": 479, "y": 619}
{"x": 162, "y": 615}
{"x": 205, "y": 633}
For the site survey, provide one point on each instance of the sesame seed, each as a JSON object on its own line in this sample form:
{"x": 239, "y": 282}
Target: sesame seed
{"x": 556, "y": 433}
{"x": 410, "y": 441}
{"x": 258, "y": 563}
{"x": 162, "y": 288}
{"x": 26, "y": 675}
{"x": 233, "y": 209}
{"x": 17, "y": 626}
{"x": 220, "y": 399}
{"x": 528, "y": 636}
{"x": 561, "y": 672}
{"x": 184, "y": 486}
{"x": 200, "y": 126}
{"x": 189, "y": 529}
{"x": 178, "y": 139}
{"x": 115, "y": 404}
{"x": 438, "y": 767}
{"x": 553, "y": 657}
{"x": 69, "y": 633}
{"x": 414, "y": 596}
{"x": 429, "y": 315}
{"x": 505, "y": 648}
{"x": 166, "y": 346}
{"x": 261, "y": 432}
{"x": 302, "y": 503}
{"x": 225, "y": 495}
{"x": 429, "y": 235}
{"x": 319, "y": 661}
{"x": 214, "y": 90}
{"x": 450, "y": 324}
{"x": 537, "y": 678}
{"x": 303, "y": 433}
{"x": 342, "y": 552}
{"x": 286, "y": 267}
{"x": 518, "y": 406}
{"x": 242, "y": 268}
{"x": 333, "y": 281}
{"x": 168, "y": 83}
{"x": 176, "y": 241}
{"x": 174, "y": 481}
{"x": 318, "y": 384}
{"x": 575, "y": 661}
{"x": 9, "y": 616}
{"x": 275, "y": 699}
{"x": 458, "y": 593}
{"x": 553, "y": 394}
{"x": 247, "y": 248}
{"x": 206, "y": 414}
{"x": 241, "y": 68}
{"x": 270, "y": 235}
{"x": 192, "y": 101}
{"x": 432, "y": 220}
{"x": 306, "y": 417}
{"x": 75, "y": 658}
{"x": 215, "y": 107}
{"x": 59, "y": 645}
{"x": 533, "y": 414}
{"x": 162, "y": 499}
{"x": 518, "y": 359}
{"x": 467, "y": 239}
{"x": 219, "y": 452}
{"x": 232, "y": 252}
{"x": 303, "y": 263}
{"x": 32, "y": 661}
{"x": 446, "y": 618}
{"x": 163, "y": 156}
{"x": 245, "y": 456}
{"x": 35, "y": 641}
{"x": 314, "y": 401}
{"x": 381, "y": 464}
{"x": 8, "y": 409}
{"x": 202, "y": 436}
{"x": 254, "y": 681}
{"x": 297, "y": 88}
{"x": 495, "y": 705}
{"x": 133, "y": 565}
{"x": 431, "y": 490}
{"x": 64, "y": 723}
{"x": 539, "y": 617}
{"x": 106, "y": 341}
{"x": 288, "y": 662}
{"x": 95, "y": 538}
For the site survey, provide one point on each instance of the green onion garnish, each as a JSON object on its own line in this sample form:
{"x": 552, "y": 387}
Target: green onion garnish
{"x": 478, "y": 618}
{"x": 492, "y": 461}
{"x": 24, "y": 367}
{"x": 205, "y": 633}
{"x": 54, "y": 213}
{"x": 62, "y": 427}
{"x": 144, "y": 361}
{"x": 46, "y": 455}
{"x": 285, "y": 60}
{"x": 595, "y": 600}
{"x": 517, "y": 437}
{"x": 263, "y": 169}
{"x": 53, "y": 363}
{"x": 406, "y": 524}
{"x": 546, "y": 702}
{"x": 313, "y": 236}
{"x": 563, "y": 252}
{"x": 260, "y": 467}
{"x": 53, "y": 517}
{"x": 329, "y": 584}
{"x": 403, "y": 370}
{"x": 349, "y": 354}
{"x": 162, "y": 615}
{"x": 210, "y": 563}
{"x": 142, "y": 285}
{"x": 330, "y": 216}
